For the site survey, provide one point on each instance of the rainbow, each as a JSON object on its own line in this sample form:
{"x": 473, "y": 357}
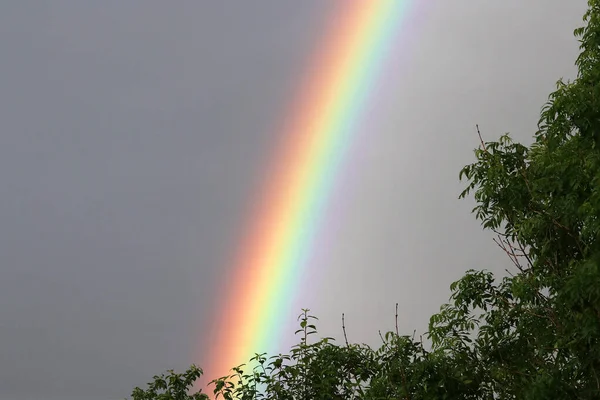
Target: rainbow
{"x": 315, "y": 136}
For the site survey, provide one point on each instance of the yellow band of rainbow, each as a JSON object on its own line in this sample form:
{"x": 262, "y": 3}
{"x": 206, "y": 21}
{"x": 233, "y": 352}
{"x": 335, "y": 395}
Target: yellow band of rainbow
{"x": 317, "y": 130}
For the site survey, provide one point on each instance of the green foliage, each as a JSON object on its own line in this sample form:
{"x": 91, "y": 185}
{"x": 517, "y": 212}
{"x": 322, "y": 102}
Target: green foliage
{"x": 400, "y": 368}
{"x": 319, "y": 370}
{"x": 540, "y": 329}
{"x": 534, "y": 334}
{"x": 171, "y": 387}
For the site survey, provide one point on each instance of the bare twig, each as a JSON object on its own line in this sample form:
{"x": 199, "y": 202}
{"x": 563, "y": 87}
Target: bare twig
{"x": 500, "y": 244}
{"x": 512, "y": 251}
{"x": 497, "y": 232}
{"x": 480, "y": 138}
{"x": 526, "y": 255}
{"x": 344, "y": 329}
{"x": 397, "y": 331}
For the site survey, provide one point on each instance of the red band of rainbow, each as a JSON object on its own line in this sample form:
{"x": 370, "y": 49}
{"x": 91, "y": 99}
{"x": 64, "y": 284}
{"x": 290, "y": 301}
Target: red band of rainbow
{"x": 316, "y": 133}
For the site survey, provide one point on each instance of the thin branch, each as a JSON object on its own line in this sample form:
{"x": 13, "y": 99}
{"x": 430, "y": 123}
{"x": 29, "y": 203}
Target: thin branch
{"x": 512, "y": 251}
{"x": 480, "y": 138}
{"x": 526, "y": 254}
{"x": 397, "y": 331}
{"x": 500, "y": 244}
{"x": 344, "y": 329}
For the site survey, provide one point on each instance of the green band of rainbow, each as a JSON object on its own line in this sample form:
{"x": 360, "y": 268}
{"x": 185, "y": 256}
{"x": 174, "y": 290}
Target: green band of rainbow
{"x": 316, "y": 135}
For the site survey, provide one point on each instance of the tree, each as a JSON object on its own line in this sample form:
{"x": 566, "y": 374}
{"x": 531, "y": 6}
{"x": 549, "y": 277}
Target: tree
{"x": 400, "y": 369}
{"x": 538, "y": 330}
{"x": 534, "y": 334}
{"x": 171, "y": 386}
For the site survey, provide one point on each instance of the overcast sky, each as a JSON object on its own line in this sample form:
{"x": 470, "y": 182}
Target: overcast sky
{"x": 132, "y": 135}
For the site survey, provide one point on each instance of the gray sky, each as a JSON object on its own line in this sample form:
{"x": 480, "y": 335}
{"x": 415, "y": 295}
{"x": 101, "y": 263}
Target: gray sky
{"x": 132, "y": 135}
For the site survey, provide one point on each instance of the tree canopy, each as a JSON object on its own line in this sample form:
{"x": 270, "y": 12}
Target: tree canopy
{"x": 534, "y": 334}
